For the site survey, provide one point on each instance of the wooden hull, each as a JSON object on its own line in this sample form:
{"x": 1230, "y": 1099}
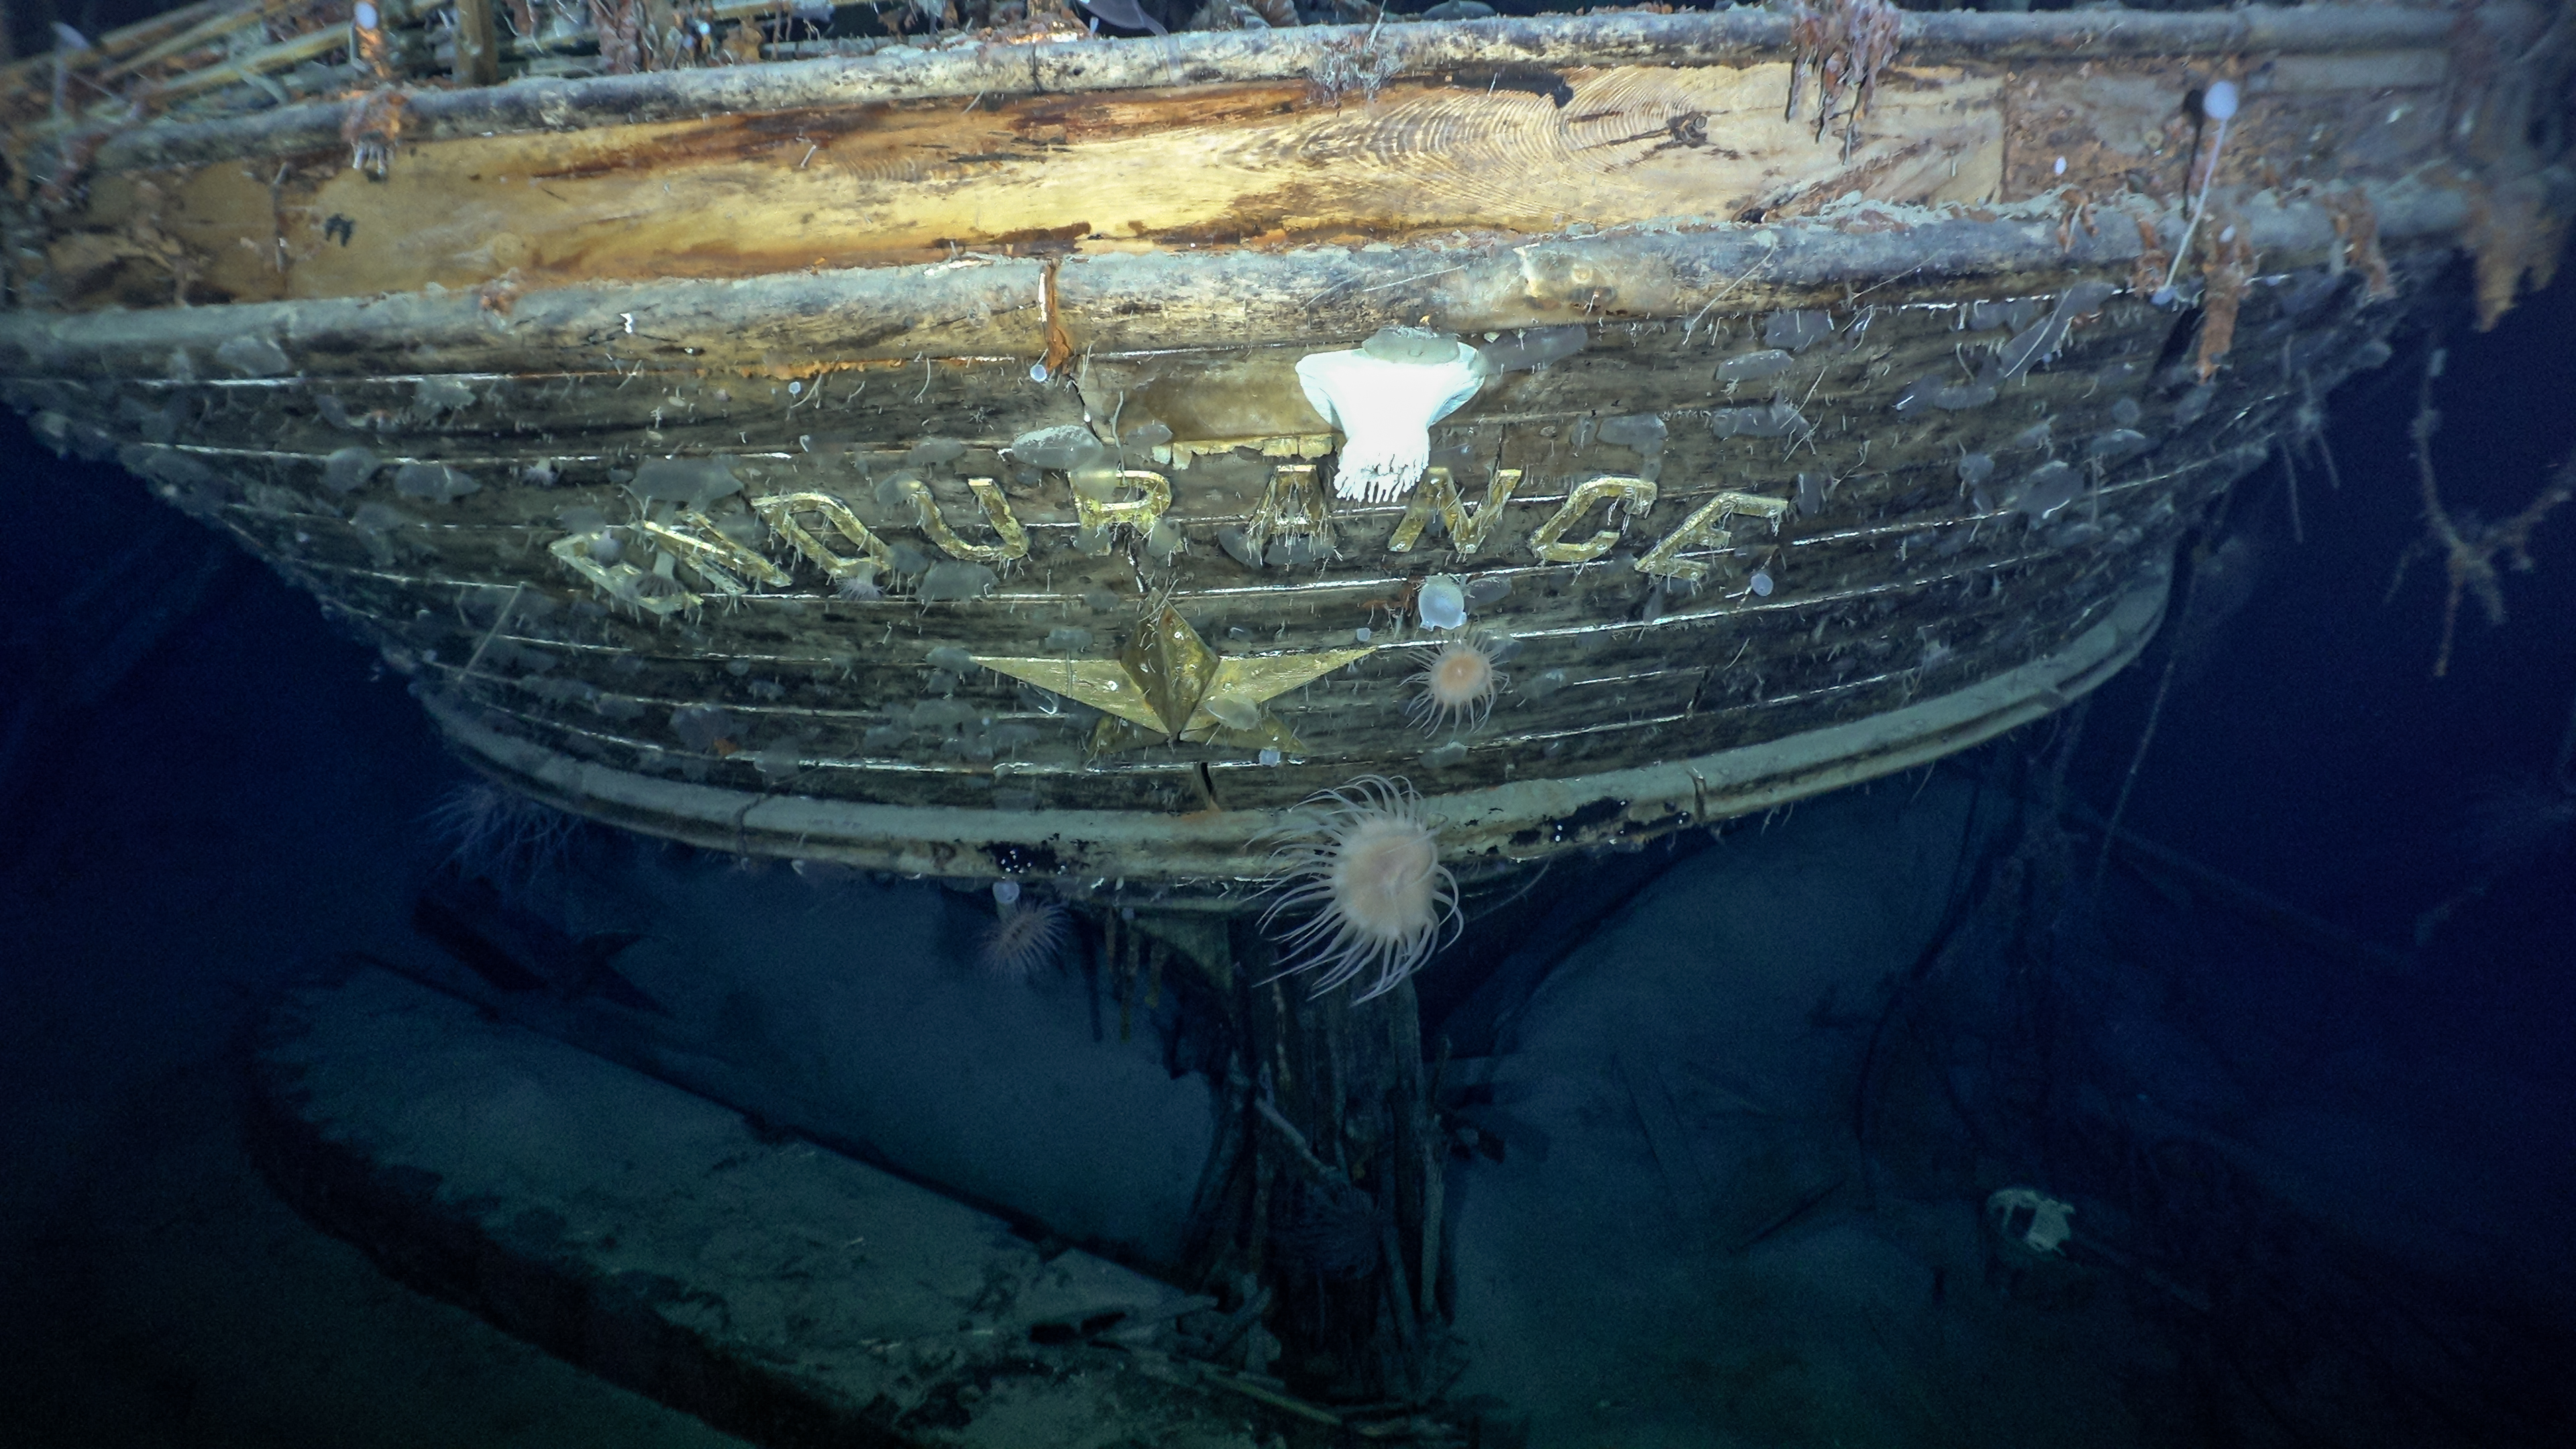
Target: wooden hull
{"x": 1920, "y": 458}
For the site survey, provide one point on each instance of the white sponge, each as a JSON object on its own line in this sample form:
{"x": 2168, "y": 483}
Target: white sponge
{"x": 1385, "y": 405}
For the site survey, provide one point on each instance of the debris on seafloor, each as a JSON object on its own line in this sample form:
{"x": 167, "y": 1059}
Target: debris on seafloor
{"x": 517, "y": 950}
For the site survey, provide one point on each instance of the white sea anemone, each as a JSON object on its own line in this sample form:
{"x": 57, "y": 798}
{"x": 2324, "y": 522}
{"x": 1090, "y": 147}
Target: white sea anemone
{"x": 499, "y": 835}
{"x": 1367, "y": 876}
{"x": 1026, "y": 936}
{"x": 1458, "y": 684}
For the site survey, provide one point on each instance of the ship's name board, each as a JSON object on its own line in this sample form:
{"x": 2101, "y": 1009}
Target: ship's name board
{"x": 821, "y": 529}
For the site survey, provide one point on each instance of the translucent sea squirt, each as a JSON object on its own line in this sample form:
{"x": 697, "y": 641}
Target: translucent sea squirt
{"x": 1442, "y": 603}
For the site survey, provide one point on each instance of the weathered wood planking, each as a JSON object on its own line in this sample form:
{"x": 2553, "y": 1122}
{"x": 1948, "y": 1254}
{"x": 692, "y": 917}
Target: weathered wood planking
{"x": 812, "y": 270}
{"x": 1178, "y": 847}
{"x": 955, "y": 313}
{"x": 1726, "y": 36}
{"x": 873, "y": 182}
{"x": 741, "y": 195}
{"x": 1901, "y": 586}
{"x": 1199, "y": 166}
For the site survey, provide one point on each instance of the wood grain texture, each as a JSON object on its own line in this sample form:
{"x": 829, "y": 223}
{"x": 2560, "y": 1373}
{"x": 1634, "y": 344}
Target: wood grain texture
{"x": 880, "y": 175}
{"x": 869, "y": 185}
{"x": 1222, "y": 57}
{"x": 987, "y": 307}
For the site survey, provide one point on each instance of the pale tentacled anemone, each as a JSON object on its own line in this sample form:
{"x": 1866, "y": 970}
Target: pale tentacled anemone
{"x": 1458, "y": 683}
{"x": 1026, "y": 935}
{"x": 499, "y": 835}
{"x": 1365, "y": 873}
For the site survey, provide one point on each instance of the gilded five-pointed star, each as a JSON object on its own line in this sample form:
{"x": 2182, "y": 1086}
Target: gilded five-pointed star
{"x": 1168, "y": 683}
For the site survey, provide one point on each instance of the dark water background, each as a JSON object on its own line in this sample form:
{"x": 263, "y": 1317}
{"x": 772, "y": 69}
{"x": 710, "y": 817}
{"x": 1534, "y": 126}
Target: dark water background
{"x": 201, "y": 785}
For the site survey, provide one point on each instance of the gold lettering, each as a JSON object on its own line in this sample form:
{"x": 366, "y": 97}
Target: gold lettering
{"x": 779, "y": 511}
{"x": 1438, "y": 493}
{"x": 997, "y": 512}
{"x": 1701, "y": 531}
{"x": 1295, "y": 505}
{"x": 712, "y": 556}
{"x": 623, "y": 582}
{"x": 1635, "y": 496}
{"x": 1139, "y": 513}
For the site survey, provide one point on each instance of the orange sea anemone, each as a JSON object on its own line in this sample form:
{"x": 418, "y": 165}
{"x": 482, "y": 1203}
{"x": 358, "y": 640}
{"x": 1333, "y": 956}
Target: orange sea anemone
{"x": 1367, "y": 876}
{"x": 1458, "y": 684}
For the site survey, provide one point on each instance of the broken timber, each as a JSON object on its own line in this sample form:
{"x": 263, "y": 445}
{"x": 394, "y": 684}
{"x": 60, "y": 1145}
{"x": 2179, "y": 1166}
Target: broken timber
{"x": 602, "y": 1215}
